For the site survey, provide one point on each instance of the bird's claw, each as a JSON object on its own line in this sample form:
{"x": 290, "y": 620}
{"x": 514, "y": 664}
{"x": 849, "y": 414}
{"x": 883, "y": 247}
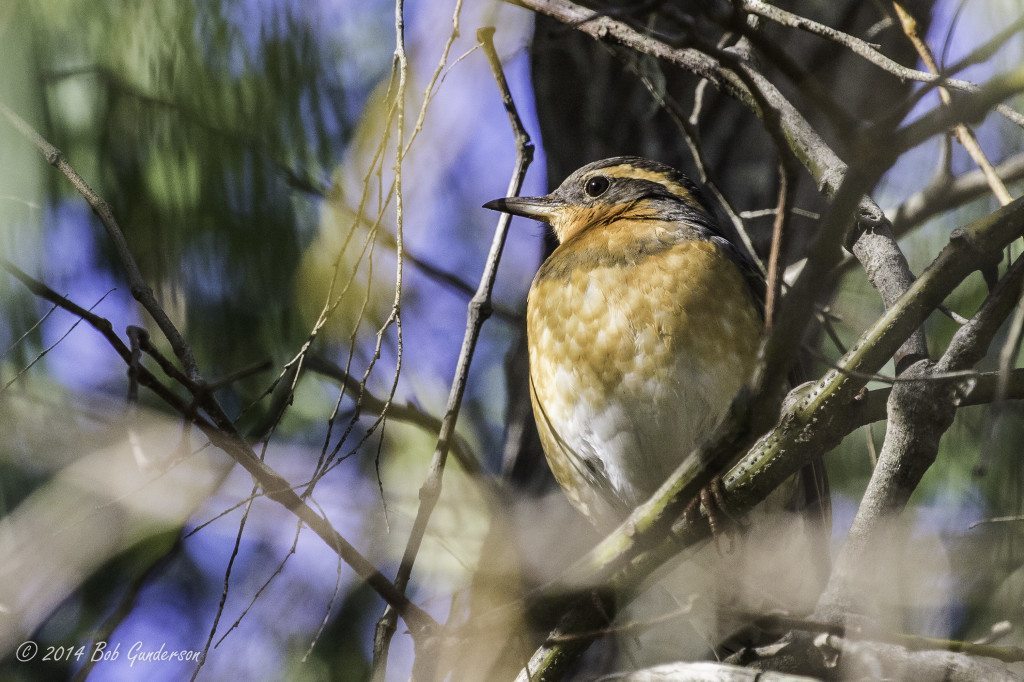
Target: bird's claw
{"x": 710, "y": 504}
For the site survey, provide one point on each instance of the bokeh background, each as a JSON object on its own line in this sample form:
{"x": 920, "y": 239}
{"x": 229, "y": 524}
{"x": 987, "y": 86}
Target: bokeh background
{"x": 236, "y": 141}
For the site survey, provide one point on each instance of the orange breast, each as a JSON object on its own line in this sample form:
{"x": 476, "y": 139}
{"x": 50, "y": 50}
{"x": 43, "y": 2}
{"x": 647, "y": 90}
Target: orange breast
{"x": 635, "y": 353}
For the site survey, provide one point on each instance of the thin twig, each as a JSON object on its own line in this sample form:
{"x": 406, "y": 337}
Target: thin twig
{"x": 224, "y": 590}
{"x": 871, "y": 407}
{"x": 274, "y": 485}
{"x": 964, "y": 134}
{"x": 960, "y": 375}
{"x": 266, "y": 583}
{"x": 402, "y": 412}
{"x": 479, "y": 310}
{"x": 239, "y": 374}
{"x": 767, "y": 212}
{"x": 631, "y": 626}
{"x": 41, "y": 354}
{"x": 782, "y": 623}
{"x": 1016, "y": 518}
{"x": 140, "y": 290}
{"x": 869, "y": 437}
{"x": 780, "y": 233}
{"x": 36, "y": 325}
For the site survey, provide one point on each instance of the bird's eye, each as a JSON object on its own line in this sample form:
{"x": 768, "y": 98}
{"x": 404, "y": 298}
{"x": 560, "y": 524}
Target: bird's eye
{"x": 596, "y": 186}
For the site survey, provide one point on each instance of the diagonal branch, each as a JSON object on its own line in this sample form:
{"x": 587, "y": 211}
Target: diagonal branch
{"x": 140, "y": 290}
{"x": 220, "y": 428}
{"x": 964, "y": 134}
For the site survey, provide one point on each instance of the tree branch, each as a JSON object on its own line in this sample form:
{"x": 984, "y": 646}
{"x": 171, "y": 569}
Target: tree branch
{"x": 140, "y": 290}
{"x": 963, "y": 133}
{"x": 918, "y": 415}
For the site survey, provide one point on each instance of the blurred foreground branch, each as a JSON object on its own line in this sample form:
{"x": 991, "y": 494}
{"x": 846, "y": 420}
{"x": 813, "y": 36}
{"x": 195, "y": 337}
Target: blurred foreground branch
{"x": 220, "y": 429}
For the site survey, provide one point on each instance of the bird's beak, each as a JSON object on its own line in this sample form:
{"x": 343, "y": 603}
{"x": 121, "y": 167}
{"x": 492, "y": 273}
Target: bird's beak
{"x": 543, "y": 208}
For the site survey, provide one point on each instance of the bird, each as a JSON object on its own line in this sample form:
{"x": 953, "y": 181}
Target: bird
{"x": 642, "y": 326}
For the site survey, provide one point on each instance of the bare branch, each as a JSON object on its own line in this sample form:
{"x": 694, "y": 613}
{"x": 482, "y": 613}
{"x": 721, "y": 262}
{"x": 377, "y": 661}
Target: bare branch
{"x": 479, "y": 311}
{"x": 780, "y": 231}
{"x": 963, "y": 133}
{"x": 140, "y": 290}
{"x": 918, "y": 416}
{"x": 42, "y": 354}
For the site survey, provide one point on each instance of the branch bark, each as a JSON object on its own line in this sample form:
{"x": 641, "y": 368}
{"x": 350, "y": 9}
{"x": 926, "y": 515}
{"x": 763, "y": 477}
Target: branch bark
{"x": 919, "y": 413}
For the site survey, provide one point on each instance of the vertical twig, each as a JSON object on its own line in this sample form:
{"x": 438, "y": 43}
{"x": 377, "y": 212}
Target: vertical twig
{"x": 388, "y": 621}
{"x": 479, "y": 311}
{"x": 780, "y": 233}
{"x": 869, "y": 434}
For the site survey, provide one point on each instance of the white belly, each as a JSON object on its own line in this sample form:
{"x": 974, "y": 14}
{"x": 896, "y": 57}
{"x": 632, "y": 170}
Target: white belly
{"x": 641, "y": 430}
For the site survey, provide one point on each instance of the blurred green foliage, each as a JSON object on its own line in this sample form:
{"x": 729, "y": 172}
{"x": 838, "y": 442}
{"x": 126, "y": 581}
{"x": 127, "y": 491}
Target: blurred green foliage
{"x": 212, "y": 133}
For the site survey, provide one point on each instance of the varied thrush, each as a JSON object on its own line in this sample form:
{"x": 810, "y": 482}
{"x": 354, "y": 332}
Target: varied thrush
{"x": 642, "y": 325}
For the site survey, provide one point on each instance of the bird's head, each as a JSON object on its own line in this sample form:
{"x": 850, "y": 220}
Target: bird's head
{"x": 603, "y": 192}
